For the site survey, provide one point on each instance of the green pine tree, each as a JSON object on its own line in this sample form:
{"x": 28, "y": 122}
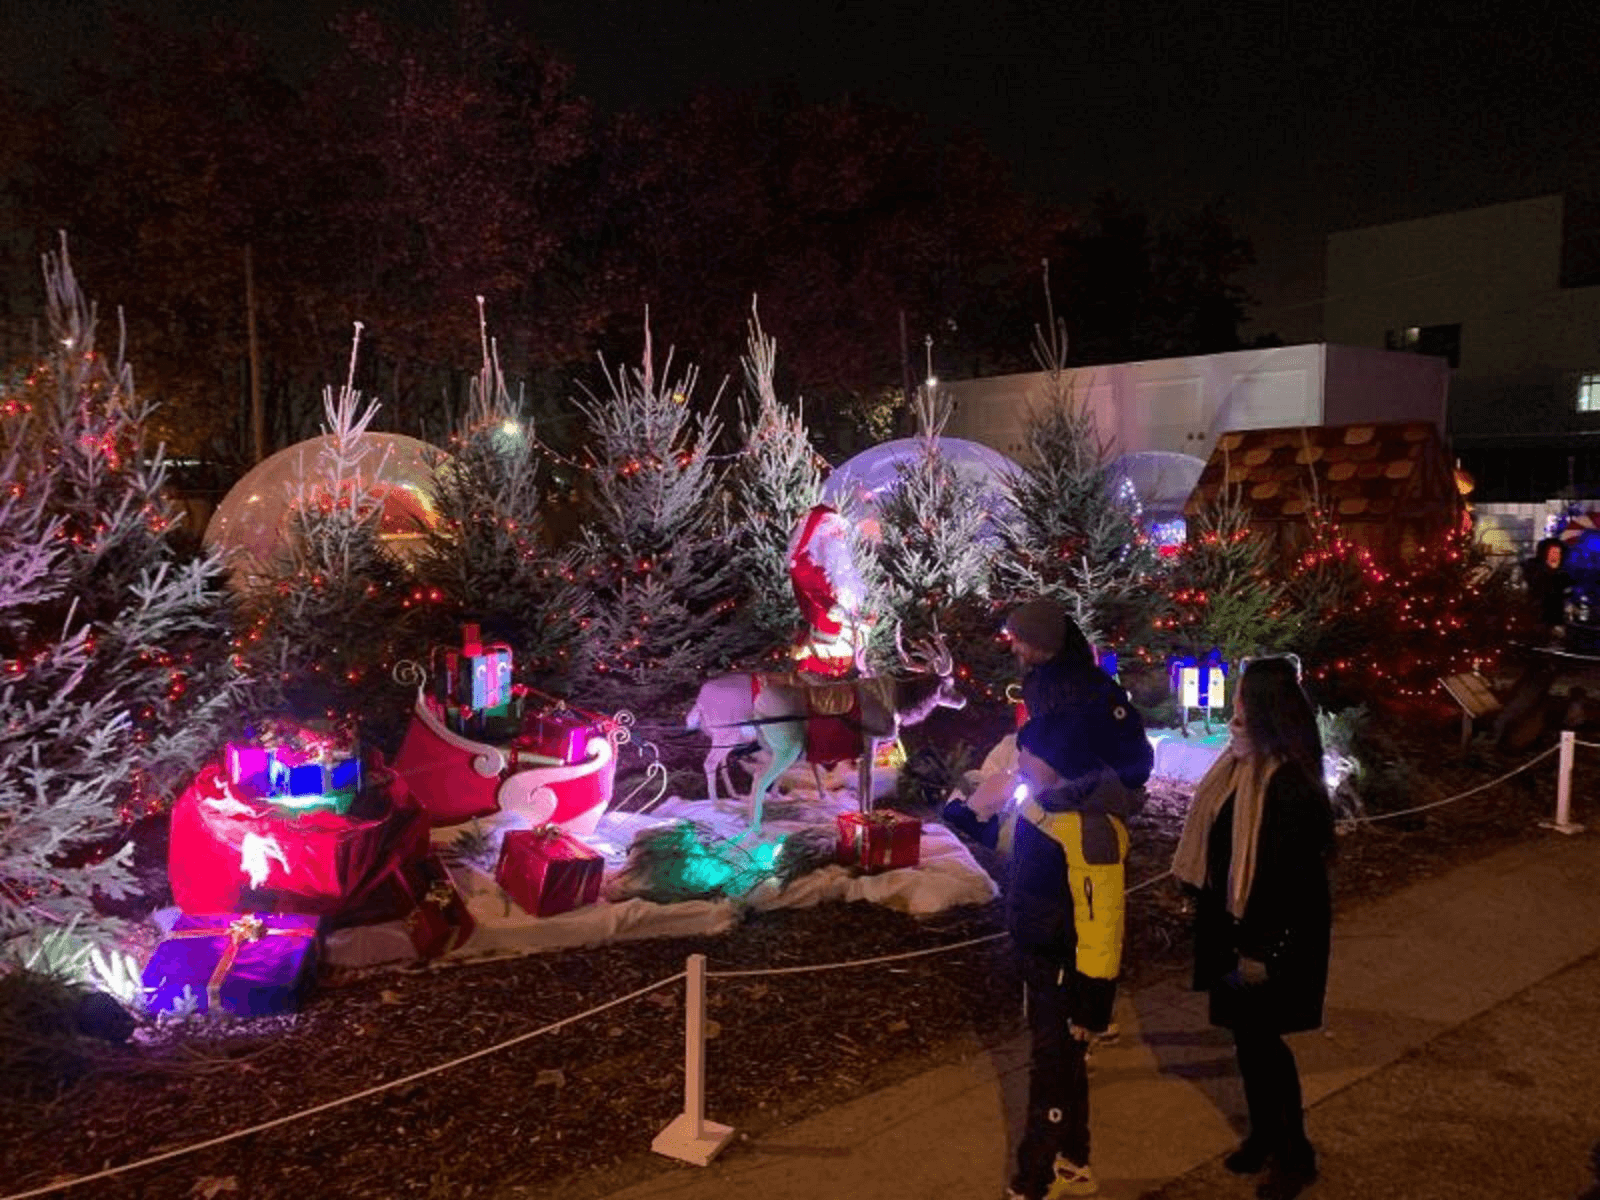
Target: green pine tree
{"x": 490, "y": 560}
{"x": 655, "y": 554}
{"x": 1225, "y": 590}
{"x": 115, "y": 670}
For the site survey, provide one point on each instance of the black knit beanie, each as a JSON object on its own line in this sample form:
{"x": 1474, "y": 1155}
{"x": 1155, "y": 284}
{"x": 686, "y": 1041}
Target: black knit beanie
{"x": 1040, "y": 623}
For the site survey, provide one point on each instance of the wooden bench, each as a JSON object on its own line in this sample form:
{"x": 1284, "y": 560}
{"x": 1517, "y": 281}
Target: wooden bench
{"x": 1471, "y": 692}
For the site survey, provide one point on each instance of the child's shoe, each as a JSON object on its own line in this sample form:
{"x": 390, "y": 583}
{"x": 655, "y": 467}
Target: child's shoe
{"x": 1071, "y": 1180}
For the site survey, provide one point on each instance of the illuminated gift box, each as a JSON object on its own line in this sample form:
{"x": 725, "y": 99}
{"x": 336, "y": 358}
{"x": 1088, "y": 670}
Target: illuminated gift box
{"x": 1198, "y": 683}
{"x": 299, "y": 766}
{"x": 880, "y": 840}
{"x": 476, "y": 679}
{"x": 227, "y": 844}
{"x": 244, "y": 964}
{"x": 548, "y": 871}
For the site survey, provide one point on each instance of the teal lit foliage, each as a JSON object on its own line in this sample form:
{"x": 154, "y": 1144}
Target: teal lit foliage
{"x": 656, "y": 551}
{"x": 1224, "y": 590}
{"x": 332, "y": 612}
{"x": 772, "y": 486}
{"x": 490, "y": 560}
{"x": 115, "y": 671}
{"x": 936, "y": 570}
{"x": 1066, "y": 535}
{"x": 687, "y": 861}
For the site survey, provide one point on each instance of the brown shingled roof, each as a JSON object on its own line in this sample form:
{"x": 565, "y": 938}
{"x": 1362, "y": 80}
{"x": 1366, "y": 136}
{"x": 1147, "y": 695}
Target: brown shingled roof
{"x": 1389, "y": 485}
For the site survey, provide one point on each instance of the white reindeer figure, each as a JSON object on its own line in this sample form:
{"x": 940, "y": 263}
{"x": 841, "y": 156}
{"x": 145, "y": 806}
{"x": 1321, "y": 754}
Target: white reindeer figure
{"x": 741, "y": 708}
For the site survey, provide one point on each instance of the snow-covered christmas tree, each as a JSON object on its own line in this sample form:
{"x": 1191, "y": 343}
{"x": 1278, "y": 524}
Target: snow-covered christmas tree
{"x": 656, "y": 553}
{"x": 936, "y": 556}
{"x": 330, "y": 615}
{"x": 115, "y": 674}
{"x": 489, "y": 560}
{"x": 1066, "y": 534}
{"x": 773, "y": 485}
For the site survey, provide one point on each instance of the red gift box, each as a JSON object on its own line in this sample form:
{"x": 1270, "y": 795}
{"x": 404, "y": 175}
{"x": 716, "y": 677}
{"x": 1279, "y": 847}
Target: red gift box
{"x": 439, "y": 920}
{"x": 548, "y": 871}
{"x": 558, "y": 737}
{"x": 229, "y": 847}
{"x": 881, "y": 840}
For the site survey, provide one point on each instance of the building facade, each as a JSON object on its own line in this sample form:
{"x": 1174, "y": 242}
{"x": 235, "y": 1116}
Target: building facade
{"x": 1509, "y": 296}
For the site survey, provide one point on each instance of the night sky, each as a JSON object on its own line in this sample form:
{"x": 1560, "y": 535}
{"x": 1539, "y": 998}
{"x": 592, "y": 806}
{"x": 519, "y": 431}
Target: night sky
{"x": 1299, "y": 118}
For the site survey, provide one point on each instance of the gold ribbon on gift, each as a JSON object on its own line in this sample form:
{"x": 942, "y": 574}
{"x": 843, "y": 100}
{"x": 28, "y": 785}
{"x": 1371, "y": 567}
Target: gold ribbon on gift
{"x": 441, "y": 895}
{"x": 247, "y": 928}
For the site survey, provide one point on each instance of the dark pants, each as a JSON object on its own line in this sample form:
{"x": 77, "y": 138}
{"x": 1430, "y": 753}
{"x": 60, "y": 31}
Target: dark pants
{"x": 1271, "y": 1091}
{"x": 1058, "y": 1092}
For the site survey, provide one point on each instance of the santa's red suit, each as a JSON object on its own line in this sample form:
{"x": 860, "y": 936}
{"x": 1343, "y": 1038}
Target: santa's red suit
{"x": 829, "y": 591}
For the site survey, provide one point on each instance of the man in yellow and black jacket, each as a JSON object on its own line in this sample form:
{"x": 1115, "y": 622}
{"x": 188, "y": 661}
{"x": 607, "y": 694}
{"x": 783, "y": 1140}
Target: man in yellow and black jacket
{"x": 1083, "y": 759}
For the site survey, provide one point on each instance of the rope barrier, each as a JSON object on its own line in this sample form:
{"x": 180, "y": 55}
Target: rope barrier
{"x": 63, "y": 1184}
{"x": 688, "y": 1137}
{"x": 1537, "y": 758}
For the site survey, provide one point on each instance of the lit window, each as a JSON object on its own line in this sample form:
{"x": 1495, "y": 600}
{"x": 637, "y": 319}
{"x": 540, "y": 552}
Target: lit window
{"x": 1589, "y": 392}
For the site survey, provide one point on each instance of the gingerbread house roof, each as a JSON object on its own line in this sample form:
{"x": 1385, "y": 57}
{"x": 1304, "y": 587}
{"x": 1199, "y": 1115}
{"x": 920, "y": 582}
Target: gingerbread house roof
{"x": 1355, "y": 473}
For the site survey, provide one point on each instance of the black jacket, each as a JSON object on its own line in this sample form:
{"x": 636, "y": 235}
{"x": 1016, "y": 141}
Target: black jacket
{"x": 1081, "y": 722}
{"x": 1288, "y": 916}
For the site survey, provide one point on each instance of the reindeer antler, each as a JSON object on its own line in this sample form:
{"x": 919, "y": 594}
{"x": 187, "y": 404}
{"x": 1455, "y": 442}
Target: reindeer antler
{"x": 933, "y": 656}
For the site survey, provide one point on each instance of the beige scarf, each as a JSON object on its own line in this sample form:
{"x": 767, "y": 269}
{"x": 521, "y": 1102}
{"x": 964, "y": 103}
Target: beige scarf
{"x": 1243, "y": 774}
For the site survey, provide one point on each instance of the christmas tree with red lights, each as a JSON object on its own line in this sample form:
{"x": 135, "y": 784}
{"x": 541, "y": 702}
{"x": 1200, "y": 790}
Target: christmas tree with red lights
{"x": 936, "y": 560}
{"x": 656, "y": 553}
{"x": 330, "y": 615}
{"x": 115, "y": 675}
{"x": 1384, "y": 633}
{"x": 1224, "y": 591}
{"x": 1067, "y": 535}
{"x": 490, "y": 561}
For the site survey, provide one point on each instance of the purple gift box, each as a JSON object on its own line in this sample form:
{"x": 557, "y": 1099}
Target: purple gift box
{"x": 245, "y": 964}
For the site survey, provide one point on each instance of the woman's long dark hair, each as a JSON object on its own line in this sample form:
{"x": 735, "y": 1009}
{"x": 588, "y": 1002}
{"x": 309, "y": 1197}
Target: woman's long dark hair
{"x": 1278, "y": 716}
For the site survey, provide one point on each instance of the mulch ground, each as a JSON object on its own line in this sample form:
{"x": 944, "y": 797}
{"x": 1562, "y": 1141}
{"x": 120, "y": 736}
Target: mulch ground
{"x": 571, "y": 1112}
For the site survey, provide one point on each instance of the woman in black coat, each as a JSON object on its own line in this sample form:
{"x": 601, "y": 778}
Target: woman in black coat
{"x": 1255, "y": 850}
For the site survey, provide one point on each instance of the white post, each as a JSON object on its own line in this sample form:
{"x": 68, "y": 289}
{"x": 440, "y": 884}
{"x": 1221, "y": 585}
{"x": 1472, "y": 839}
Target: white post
{"x": 690, "y": 1136}
{"x": 1563, "y": 822}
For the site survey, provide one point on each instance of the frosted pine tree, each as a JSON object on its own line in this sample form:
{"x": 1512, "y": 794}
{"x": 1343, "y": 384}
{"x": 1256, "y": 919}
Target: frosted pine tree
{"x": 1066, "y": 534}
{"x": 935, "y": 558}
{"x": 329, "y": 614}
{"x": 774, "y": 484}
{"x": 656, "y": 552}
{"x": 490, "y": 560}
{"x": 115, "y": 676}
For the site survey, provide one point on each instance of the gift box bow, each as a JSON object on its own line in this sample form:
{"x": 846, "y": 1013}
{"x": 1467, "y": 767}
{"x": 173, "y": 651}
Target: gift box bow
{"x": 239, "y": 932}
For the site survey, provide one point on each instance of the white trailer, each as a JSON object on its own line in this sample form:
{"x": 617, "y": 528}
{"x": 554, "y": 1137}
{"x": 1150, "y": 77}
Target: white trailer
{"x": 1182, "y": 405}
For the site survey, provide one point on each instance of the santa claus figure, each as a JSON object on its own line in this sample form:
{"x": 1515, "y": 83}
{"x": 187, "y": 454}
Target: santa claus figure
{"x": 830, "y": 592}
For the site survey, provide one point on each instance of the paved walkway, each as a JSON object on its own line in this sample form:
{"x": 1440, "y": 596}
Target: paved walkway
{"x": 1418, "y": 1086}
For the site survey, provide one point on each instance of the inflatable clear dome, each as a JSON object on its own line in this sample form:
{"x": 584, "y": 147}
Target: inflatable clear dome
{"x": 857, "y": 486}
{"x": 251, "y": 524}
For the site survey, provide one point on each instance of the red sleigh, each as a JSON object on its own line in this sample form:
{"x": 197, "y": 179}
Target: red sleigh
{"x": 557, "y": 771}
